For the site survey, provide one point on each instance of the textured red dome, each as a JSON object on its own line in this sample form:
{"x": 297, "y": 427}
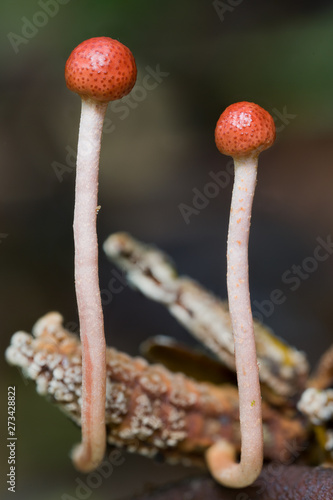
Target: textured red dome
{"x": 102, "y": 69}
{"x": 243, "y": 128}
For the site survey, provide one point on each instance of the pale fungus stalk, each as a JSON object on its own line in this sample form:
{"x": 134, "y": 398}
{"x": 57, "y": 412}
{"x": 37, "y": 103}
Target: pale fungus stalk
{"x": 90, "y": 452}
{"x": 243, "y": 131}
{"x": 99, "y": 70}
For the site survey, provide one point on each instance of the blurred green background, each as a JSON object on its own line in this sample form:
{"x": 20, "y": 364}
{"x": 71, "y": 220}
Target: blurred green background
{"x": 278, "y": 54}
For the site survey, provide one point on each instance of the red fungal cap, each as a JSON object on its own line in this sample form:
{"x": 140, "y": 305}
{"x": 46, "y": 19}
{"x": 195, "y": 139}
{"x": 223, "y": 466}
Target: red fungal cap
{"x": 244, "y": 128}
{"x": 102, "y": 69}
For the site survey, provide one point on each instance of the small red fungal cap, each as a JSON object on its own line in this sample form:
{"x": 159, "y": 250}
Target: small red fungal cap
{"x": 102, "y": 69}
{"x": 244, "y": 128}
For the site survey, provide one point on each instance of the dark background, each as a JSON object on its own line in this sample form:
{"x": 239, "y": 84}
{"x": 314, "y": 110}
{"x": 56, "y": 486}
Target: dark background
{"x": 278, "y": 54}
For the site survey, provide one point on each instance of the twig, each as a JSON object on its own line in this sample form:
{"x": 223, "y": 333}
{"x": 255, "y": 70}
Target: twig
{"x": 149, "y": 410}
{"x": 283, "y": 368}
{"x": 323, "y": 375}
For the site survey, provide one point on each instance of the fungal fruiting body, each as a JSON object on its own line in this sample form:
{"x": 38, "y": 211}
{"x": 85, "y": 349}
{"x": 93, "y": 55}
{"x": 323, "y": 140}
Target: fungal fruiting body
{"x": 243, "y": 130}
{"x": 99, "y": 70}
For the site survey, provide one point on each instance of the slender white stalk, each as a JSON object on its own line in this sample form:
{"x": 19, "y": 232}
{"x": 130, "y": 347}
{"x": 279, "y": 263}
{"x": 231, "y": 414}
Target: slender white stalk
{"x": 89, "y": 453}
{"x": 221, "y": 457}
